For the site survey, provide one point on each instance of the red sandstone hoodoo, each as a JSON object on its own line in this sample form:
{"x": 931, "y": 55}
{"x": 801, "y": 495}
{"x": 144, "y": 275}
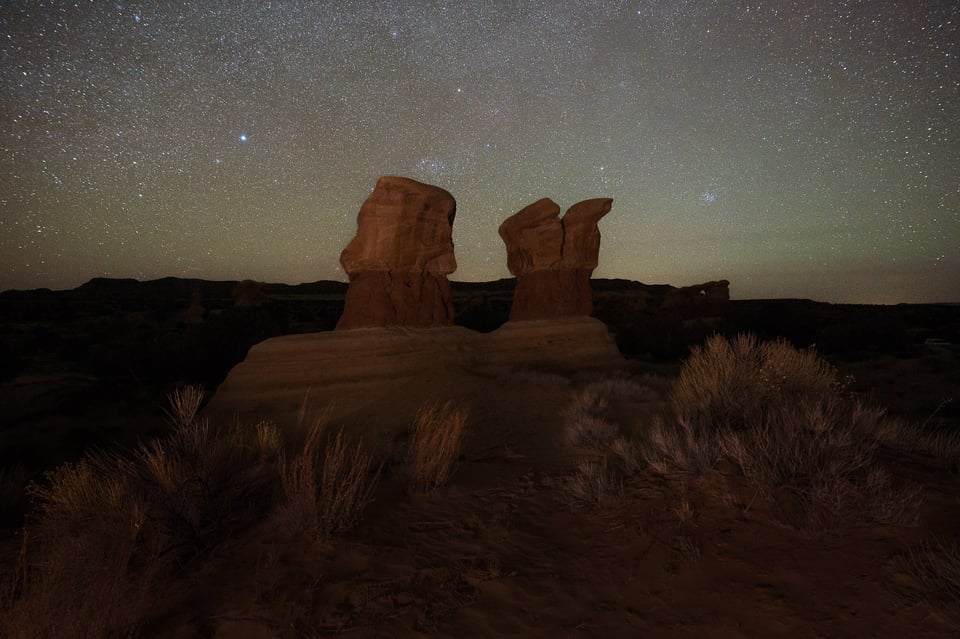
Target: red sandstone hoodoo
{"x": 400, "y": 258}
{"x": 553, "y": 258}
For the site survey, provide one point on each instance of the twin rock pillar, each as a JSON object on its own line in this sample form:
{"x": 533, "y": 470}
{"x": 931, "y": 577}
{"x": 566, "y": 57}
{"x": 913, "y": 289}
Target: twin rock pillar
{"x": 403, "y": 251}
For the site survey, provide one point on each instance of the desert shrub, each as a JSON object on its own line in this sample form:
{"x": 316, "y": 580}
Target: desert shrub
{"x": 823, "y": 451}
{"x": 730, "y": 383}
{"x": 327, "y": 484}
{"x": 204, "y": 481}
{"x": 813, "y": 441}
{"x": 780, "y": 414}
{"x": 435, "y": 445}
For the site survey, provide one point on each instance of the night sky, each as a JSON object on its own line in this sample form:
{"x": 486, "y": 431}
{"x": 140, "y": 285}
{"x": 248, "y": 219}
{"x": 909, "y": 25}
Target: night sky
{"x": 798, "y": 149}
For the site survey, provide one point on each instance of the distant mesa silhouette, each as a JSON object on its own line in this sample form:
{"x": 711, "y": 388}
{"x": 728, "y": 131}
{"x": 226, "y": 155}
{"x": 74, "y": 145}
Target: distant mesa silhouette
{"x": 553, "y": 258}
{"x": 399, "y": 260}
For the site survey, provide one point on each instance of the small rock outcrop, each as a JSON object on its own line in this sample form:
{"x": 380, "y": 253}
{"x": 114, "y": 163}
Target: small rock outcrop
{"x": 553, "y": 258}
{"x": 399, "y": 260}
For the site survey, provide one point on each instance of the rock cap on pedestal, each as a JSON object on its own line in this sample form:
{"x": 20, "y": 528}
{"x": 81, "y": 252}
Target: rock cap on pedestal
{"x": 404, "y": 225}
{"x": 553, "y": 258}
{"x": 400, "y": 257}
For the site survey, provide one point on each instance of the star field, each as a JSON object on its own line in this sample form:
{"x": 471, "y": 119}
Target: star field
{"x": 796, "y": 149}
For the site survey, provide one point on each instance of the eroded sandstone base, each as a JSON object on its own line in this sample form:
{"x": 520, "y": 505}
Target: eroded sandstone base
{"x": 367, "y": 370}
{"x": 396, "y": 298}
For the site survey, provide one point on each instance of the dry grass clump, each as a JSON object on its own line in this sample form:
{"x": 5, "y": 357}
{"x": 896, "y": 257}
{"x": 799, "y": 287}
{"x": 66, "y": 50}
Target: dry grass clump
{"x": 327, "y": 484}
{"x": 80, "y": 573}
{"x": 435, "y": 445}
{"x": 590, "y": 424}
{"x": 935, "y": 567}
{"x": 587, "y": 419}
{"x": 104, "y": 530}
{"x": 938, "y": 443}
{"x": 185, "y": 402}
{"x": 595, "y": 482}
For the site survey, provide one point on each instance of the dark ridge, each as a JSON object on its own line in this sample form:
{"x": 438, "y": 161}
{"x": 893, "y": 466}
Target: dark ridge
{"x": 167, "y": 288}
{"x": 617, "y": 285}
{"x": 320, "y": 287}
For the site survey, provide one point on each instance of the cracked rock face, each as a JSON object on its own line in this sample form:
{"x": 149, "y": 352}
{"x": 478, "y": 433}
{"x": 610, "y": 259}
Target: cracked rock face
{"x": 553, "y": 258}
{"x": 400, "y": 257}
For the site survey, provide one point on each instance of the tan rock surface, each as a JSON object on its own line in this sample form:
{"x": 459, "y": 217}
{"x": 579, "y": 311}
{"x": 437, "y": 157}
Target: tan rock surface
{"x": 400, "y": 257}
{"x": 392, "y": 369}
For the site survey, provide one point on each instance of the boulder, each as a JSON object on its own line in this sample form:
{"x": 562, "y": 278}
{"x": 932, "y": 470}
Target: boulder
{"x": 553, "y": 258}
{"x": 399, "y": 260}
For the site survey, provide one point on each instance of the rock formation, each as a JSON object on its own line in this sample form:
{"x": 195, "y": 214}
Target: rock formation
{"x": 709, "y": 298}
{"x": 400, "y": 257}
{"x": 553, "y": 258}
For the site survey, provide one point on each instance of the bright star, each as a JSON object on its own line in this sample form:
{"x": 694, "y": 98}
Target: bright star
{"x": 243, "y": 137}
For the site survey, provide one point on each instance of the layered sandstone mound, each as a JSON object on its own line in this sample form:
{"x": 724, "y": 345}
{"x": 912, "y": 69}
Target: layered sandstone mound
{"x": 395, "y": 370}
{"x": 399, "y": 260}
{"x": 553, "y": 258}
